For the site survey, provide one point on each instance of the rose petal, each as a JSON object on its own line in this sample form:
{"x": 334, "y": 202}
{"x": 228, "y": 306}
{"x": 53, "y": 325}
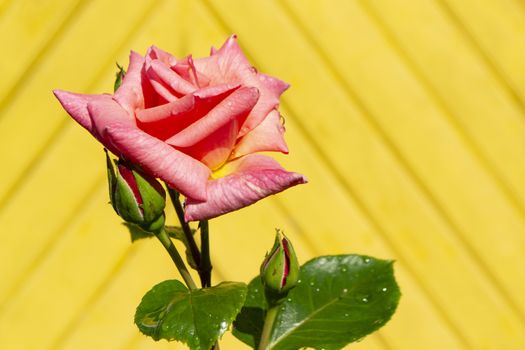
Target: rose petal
{"x": 155, "y": 53}
{"x": 186, "y": 69}
{"x": 165, "y": 120}
{"x": 271, "y": 89}
{"x": 234, "y": 107}
{"x": 105, "y": 112}
{"x": 179, "y": 171}
{"x": 255, "y": 177}
{"x": 166, "y": 111}
{"x": 171, "y": 79}
{"x": 229, "y": 64}
{"x": 267, "y": 136}
{"x": 129, "y": 95}
{"x": 215, "y": 149}
{"x": 76, "y": 106}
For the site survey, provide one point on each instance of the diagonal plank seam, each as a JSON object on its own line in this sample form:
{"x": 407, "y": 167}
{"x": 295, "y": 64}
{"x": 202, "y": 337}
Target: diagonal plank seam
{"x": 405, "y": 166}
{"x": 493, "y": 68}
{"x": 352, "y": 193}
{"x": 478, "y": 154}
{"x": 12, "y": 92}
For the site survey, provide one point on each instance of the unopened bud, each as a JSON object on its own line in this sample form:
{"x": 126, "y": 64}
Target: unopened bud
{"x": 280, "y": 268}
{"x": 136, "y": 197}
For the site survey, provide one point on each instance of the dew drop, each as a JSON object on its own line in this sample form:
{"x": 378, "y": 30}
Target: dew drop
{"x": 256, "y": 290}
{"x": 289, "y": 299}
{"x": 367, "y": 260}
{"x": 312, "y": 283}
{"x": 343, "y": 269}
{"x": 384, "y": 289}
{"x": 298, "y": 281}
{"x": 364, "y": 300}
{"x": 316, "y": 289}
{"x": 345, "y": 290}
{"x": 346, "y": 315}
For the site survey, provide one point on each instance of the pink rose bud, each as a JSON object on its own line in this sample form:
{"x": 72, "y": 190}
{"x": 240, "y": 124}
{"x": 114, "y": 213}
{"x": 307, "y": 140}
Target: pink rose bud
{"x": 196, "y": 123}
{"x": 136, "y": 197}
{"x": 280, "y": 268}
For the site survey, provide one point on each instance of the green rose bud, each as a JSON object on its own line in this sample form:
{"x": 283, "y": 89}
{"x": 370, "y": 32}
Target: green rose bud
{"x": 136, "y": 197}
{"x": 280, "y": 268}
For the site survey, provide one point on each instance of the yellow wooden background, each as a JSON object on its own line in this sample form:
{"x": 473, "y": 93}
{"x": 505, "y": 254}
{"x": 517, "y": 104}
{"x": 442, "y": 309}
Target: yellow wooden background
{"x": 407, "y": 116}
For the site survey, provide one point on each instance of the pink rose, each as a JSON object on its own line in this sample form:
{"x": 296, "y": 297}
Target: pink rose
{"x": 196, "y": 124}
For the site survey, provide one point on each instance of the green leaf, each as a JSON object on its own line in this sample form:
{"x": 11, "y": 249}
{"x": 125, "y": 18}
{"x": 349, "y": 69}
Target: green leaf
{"x": 177, "y": 233}
{"x": 195, "y": 317}
{"x": 136, "y": 232}
{"x": 248, "y": 325}
{"x": 340, "y": 300}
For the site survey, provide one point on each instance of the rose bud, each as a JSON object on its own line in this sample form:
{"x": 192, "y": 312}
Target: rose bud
{"x": 280, "y": 268}
{"x": 136, "y": 197}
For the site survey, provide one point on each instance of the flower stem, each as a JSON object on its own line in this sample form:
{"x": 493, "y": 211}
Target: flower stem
{"x": 194, "y": 250}
{"x": 165, "y": 239}
{"x": 205, "y": 266}
{"x": 271, "y": 314}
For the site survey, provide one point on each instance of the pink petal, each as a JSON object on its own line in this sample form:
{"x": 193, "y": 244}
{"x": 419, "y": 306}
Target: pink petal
{"x": 162, "y": 90}
{"x": 76, "y": 105}
{"x": 155, "y": 53}
{"x": 166, "y": 120}
{"x": 171, "y": 79}
{"x": 166, "y": 111}
{"x": 267, "y": 136}
{"x": 229, "y": 64}
{"x": 215, "y": 150}
{"x": 255, "y": 177}
{"x": 271, "y": 89}
{"x": 129, "y": 95}
{"x": 225, "y": 65}
{"x": 234, "y": 107}
{"x": 179, "y": 171}
{"x": 186, "y": 69}
{"x": 105, "y": 112}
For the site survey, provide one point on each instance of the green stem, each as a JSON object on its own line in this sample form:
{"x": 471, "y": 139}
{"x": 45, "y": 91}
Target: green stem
{"x": 164, "y": 238}
{"x": 194, "y": 250}
{"x": 205, "y": 266}
{"x": 271, "y": 314}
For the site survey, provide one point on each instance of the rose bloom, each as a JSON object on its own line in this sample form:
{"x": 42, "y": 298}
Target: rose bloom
{"x": 197, "y": 124}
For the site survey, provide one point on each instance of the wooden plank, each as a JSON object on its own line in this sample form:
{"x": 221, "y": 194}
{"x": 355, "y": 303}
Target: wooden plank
{"x": 472, "y": 99}
{"x": 398, "y": 206}
{"x": 70, "y": 67}
{"x": 27, "y": 28}
{"x": 495, "y": 28}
